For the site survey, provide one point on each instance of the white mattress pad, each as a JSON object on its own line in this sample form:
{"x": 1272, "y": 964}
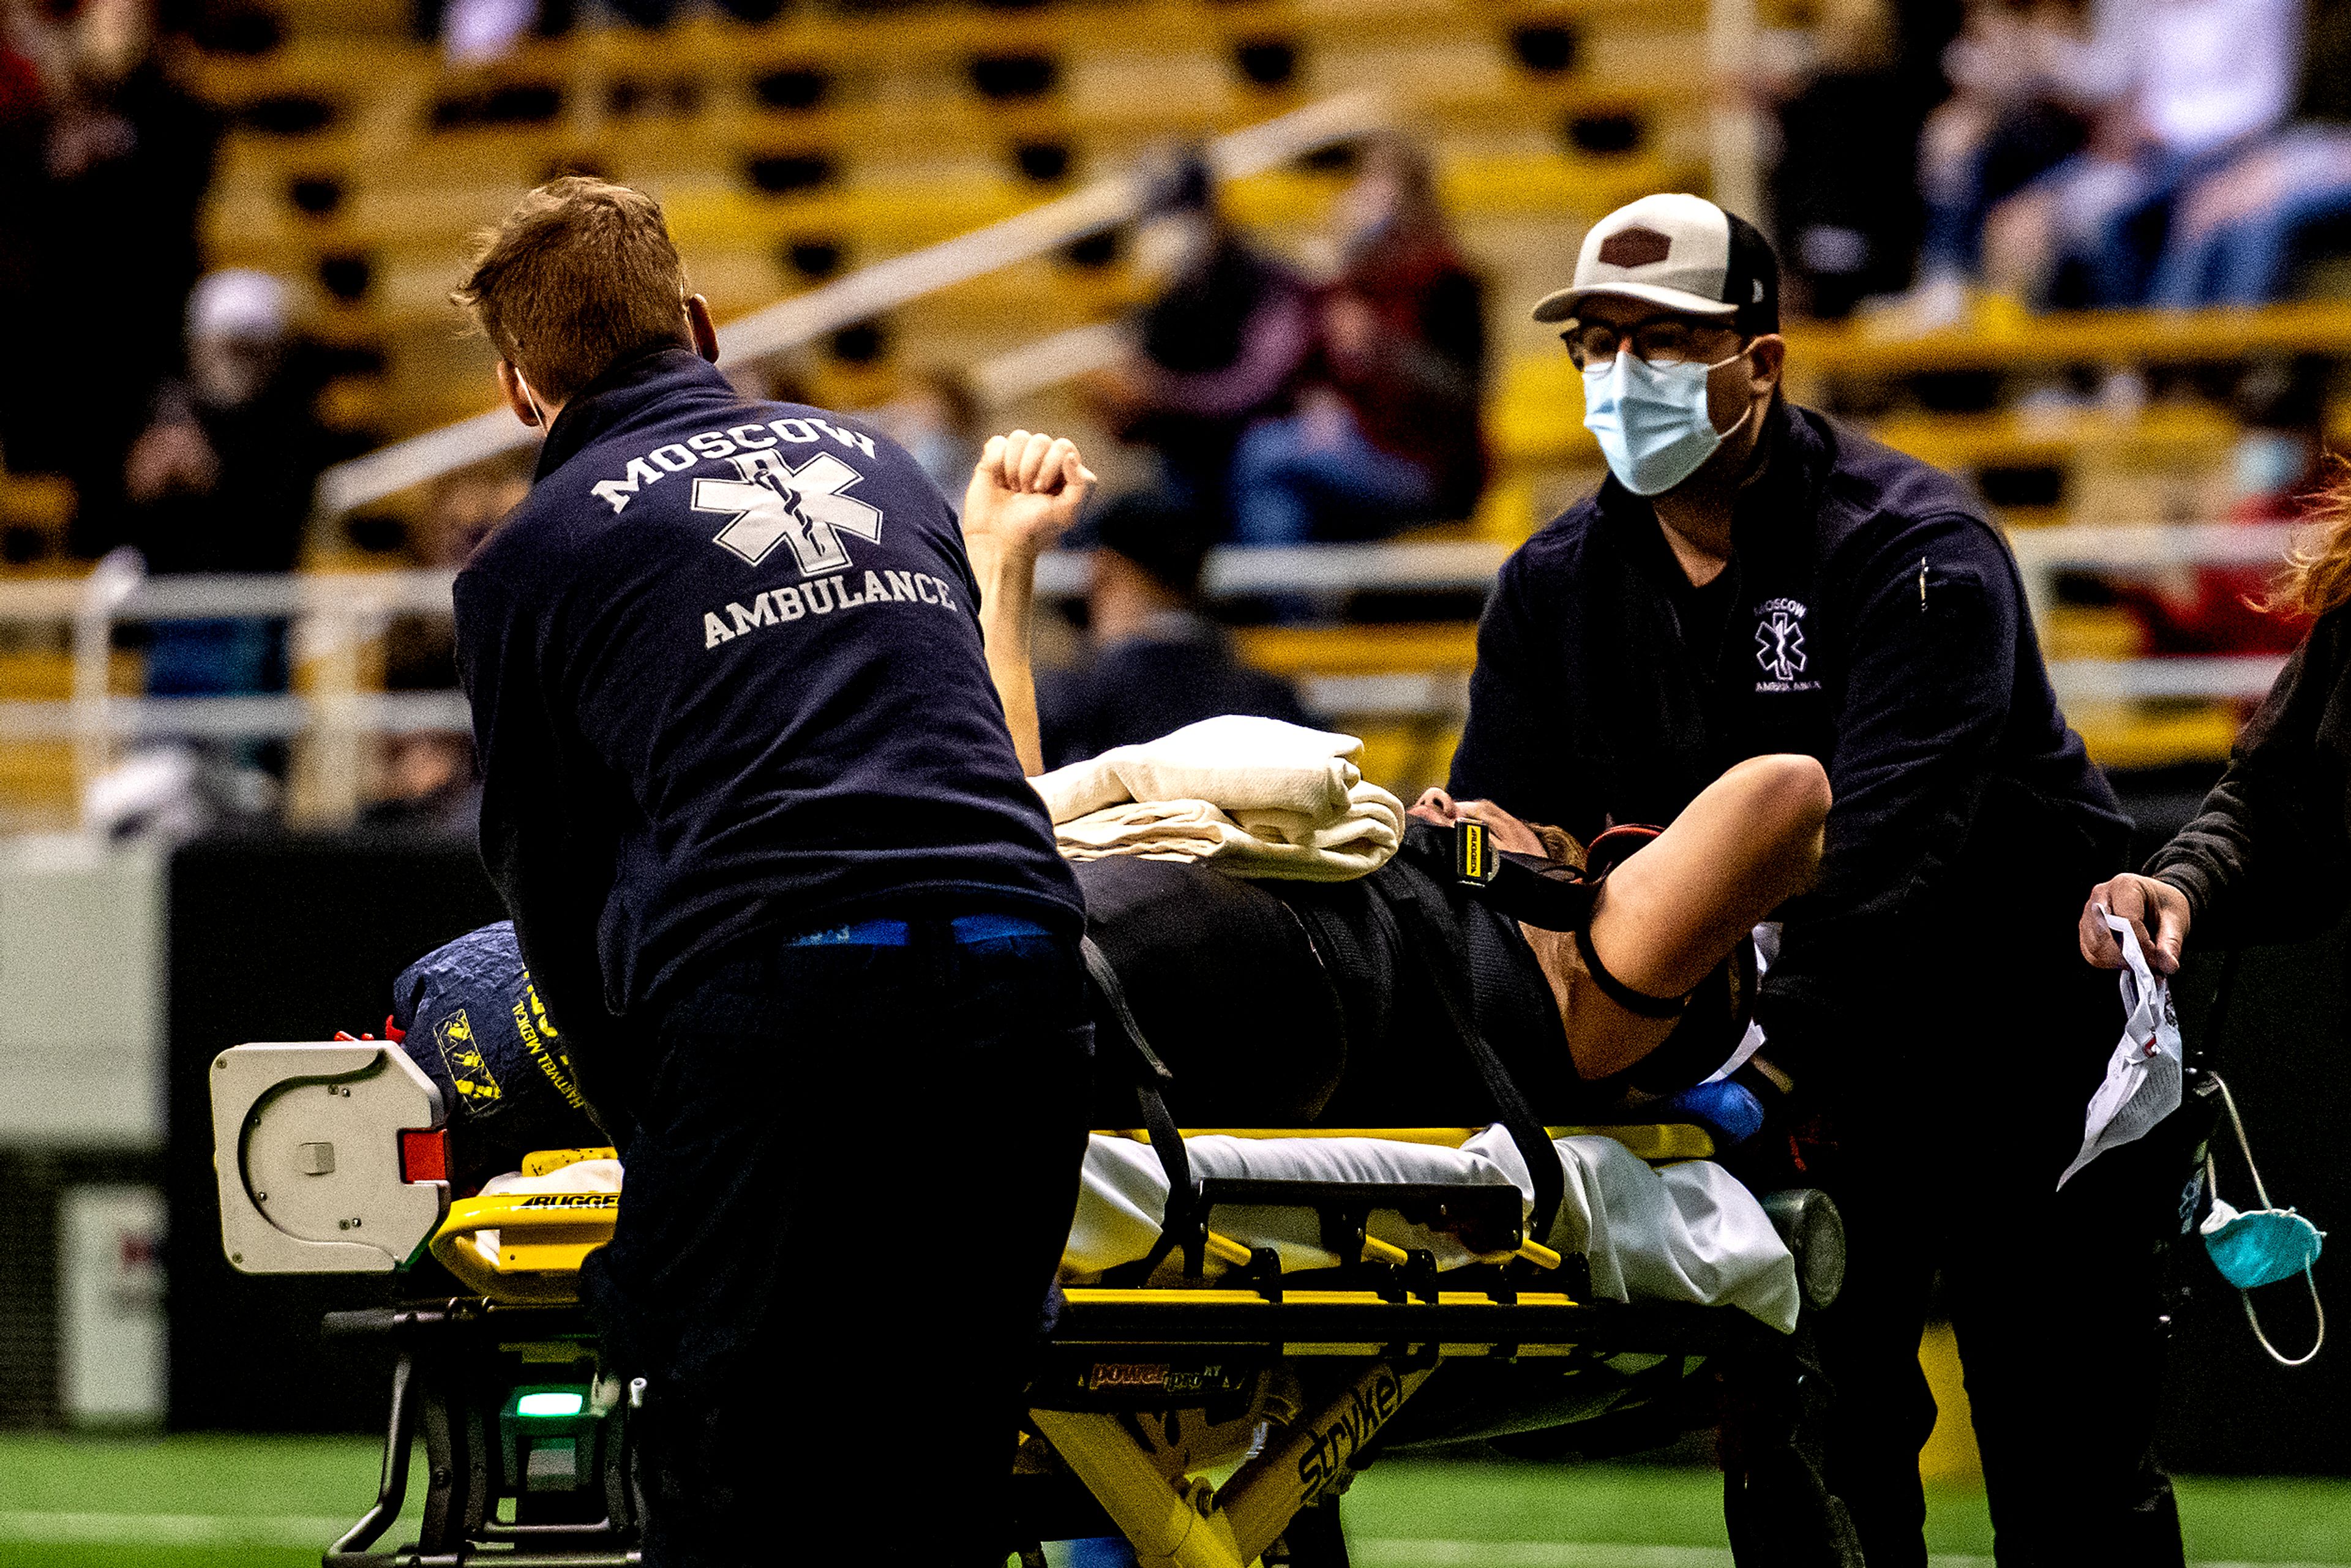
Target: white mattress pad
{"x": 1684, "y": 1232}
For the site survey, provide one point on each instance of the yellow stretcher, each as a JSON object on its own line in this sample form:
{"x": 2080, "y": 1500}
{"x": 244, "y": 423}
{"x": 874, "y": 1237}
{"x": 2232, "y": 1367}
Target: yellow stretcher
{"x": 1286, "y": 1384}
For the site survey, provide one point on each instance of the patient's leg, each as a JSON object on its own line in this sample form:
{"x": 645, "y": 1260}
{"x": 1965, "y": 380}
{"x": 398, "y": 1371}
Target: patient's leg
{"x": 1675, "y": 908}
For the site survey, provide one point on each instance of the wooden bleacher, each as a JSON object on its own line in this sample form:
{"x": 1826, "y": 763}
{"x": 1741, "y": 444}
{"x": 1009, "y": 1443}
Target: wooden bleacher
{"x": 359, "y": 161}
{"x": 797, "y": 151}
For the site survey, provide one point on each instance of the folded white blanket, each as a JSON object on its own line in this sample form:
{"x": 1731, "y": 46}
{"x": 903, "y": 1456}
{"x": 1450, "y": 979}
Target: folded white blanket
{"x": 1252, "y": 843}
{"x": 1687, "y": 1233}
{"x": 1258, "y": 797}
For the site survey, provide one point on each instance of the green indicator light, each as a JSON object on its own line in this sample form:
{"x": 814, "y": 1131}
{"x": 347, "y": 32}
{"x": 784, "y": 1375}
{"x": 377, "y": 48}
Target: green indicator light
{"x": 563, "y": 1403}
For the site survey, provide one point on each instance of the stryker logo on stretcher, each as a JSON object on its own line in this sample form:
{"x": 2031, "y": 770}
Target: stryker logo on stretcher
{"x": 822, "y": 597}
{"x": 1368, "y": 1411}
{"x": 677, "y": 457}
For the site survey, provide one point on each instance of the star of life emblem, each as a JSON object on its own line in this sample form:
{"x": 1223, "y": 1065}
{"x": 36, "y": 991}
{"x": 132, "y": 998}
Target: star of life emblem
{"x": 1780, "y": 640}
{"x": 801, "y": 508}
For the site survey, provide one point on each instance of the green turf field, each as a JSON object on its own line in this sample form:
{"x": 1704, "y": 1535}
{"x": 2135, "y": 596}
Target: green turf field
{"x": 241, "y": 1502}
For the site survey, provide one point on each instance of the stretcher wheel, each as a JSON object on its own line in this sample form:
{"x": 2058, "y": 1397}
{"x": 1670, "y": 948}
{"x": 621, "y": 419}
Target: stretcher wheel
{"x": 1808, "y": 1222}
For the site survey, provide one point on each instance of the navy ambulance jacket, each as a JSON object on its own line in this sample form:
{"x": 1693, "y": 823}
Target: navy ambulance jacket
{"x": 1869, "y": 617}
{"x": 726, "y": 677}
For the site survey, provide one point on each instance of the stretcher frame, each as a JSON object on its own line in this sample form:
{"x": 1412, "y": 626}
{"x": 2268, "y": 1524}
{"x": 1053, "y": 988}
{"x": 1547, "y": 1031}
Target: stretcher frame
{"x": 1375, "y": 1330}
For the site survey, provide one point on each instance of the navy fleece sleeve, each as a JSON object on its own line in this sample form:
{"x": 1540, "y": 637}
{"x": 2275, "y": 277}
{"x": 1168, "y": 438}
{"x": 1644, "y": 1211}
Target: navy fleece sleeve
{"x": 551, "y": 866}
{"x": 1930, "y": 681}
{"x": 1514, "y": 750}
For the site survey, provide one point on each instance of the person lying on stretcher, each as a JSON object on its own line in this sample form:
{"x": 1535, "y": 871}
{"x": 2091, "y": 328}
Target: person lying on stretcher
{"x": 1289, "y": 1003}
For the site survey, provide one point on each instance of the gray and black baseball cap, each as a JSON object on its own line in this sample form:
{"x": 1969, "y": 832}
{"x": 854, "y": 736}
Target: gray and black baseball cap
{"x": 1679, "y": 252}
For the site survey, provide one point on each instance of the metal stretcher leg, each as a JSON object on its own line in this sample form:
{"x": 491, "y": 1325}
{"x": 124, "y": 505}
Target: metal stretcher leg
{"x": 393, "y": 1490}
{"x": 1167, "y": 1521}
{"x": 1309, "y": 1461}
{"x": 1187, "y": 1523}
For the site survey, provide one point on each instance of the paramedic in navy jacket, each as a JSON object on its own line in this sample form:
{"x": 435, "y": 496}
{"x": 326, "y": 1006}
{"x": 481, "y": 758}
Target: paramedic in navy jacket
{"x": 1753, "y": 578}
{"x": 750, "y": 799}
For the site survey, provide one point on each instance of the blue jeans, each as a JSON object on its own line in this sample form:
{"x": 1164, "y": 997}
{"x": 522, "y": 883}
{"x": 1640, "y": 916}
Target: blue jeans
{"x": 1292, "y": 487}
{"x": 2108, "y": 212}
{"x": 851, "y": 1167}
{"x": 2016, "y": 150}
{"x": 2246, "y": 262}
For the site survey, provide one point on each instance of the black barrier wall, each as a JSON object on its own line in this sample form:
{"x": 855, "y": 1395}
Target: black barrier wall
{"x": 284, "y": 938}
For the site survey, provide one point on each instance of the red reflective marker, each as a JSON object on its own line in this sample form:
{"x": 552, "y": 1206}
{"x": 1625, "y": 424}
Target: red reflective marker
{"x": 424, "y": 1155}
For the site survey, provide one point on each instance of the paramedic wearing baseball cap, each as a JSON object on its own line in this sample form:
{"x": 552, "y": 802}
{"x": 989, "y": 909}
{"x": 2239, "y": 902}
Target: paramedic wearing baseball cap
{"x": 1753, "y": 578}
{"x": 752, "y": 802}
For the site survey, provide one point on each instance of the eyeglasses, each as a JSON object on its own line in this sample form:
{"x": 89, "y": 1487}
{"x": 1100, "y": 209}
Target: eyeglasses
{"x": 1664, "y": 341}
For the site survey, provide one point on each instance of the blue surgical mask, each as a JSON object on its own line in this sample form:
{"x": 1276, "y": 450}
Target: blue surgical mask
{"x": 2262, "y": 1246}
{"x": 1651, "y": 420}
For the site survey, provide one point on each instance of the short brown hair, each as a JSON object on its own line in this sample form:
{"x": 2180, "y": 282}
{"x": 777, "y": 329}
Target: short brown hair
{"x": 581, "y": 274}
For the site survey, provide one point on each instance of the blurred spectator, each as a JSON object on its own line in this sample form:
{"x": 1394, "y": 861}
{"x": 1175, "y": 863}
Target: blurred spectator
{"x": 2174, "y": 89}
{"x": 475, "y": 32}
{"x": 426, "y": 785}
{"x": 426, "y": 781}
{"x": 2277, "y": 472}
{"x": 938, "y": 422}
{"x": 173, "y": 793}
{"x": 104, "y": 161}
{"x": 472, "y": 32}
{"x": 1156, "y": 664}
{"x": 1850, "y": 94}
{"x": 467, "y": 509}
{"x": 1387, "y": 434}
{"x": 2232, "y": 241}
{"x": 1215, "y": 349}
{"x": 2004, "y": 125}
{"x": 221, "y": 479}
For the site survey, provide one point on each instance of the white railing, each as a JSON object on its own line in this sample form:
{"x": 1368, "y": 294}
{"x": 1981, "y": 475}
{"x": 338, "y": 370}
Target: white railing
{"x": 335, "y": 617}
{"x": 1425, "y": 566}
{"x": 885, "y": 284}
{"x": 2150, "y": 549}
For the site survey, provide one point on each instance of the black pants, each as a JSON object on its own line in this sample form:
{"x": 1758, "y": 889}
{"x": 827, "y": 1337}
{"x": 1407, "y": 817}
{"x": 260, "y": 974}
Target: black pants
{"x": 850, "y": 1180}
{"x": 2055, "y": 1297}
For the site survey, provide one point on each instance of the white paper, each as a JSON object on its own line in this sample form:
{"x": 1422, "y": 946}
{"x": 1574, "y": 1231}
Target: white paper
{"x": 2144, "y": 1076}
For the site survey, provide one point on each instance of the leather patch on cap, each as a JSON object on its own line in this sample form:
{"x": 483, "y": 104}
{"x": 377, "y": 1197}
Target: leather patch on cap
{"x": 1634, "y": 248}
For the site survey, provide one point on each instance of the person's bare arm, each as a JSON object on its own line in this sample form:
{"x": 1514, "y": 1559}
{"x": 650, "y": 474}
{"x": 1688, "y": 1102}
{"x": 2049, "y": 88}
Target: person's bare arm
{"x": 1025, "y": 493}
{"x": 1675, "y": 908}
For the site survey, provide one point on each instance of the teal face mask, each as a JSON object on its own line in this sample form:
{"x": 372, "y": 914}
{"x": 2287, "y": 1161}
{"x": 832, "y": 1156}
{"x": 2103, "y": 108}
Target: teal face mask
{"x": 2262, "y": 1246}
{"x": 1651, "y": 420}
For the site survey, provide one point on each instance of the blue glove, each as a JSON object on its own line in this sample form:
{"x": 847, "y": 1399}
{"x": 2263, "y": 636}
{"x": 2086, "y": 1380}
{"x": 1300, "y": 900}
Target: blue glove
{"x": 1726, "y": 1109}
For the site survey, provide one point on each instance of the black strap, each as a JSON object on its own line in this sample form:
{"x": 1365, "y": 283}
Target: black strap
{"x": 1445, "y": 955}
{"x": 1623, "y": 995}
{"x": 1151, "y": 1077}
{"x": 2199, "y": 1052}
{"x": 1535, "y": 893}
